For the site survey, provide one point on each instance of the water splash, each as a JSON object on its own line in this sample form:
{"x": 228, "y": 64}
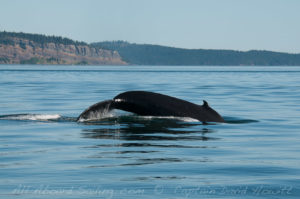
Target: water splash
{"x": 98, "y": 115}
{"x": 30, "y": 117}
{"x": 34, "y": 117}
{"x": 101, "y": 112}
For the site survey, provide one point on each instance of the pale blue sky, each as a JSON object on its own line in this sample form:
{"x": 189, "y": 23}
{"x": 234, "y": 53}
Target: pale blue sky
{"x": 209, "y": 24}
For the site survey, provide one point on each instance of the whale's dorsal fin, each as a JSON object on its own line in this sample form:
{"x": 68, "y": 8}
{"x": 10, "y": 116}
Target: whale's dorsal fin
{"x": 205, "y": 104}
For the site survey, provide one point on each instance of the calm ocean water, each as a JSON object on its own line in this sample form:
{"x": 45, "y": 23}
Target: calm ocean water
{"x": 45, "y": 153}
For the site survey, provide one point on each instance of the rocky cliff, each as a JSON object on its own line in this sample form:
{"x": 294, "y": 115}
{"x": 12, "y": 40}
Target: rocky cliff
{"x": 20, "y": 48}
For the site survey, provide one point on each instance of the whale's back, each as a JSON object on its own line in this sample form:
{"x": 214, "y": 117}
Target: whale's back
{"x": 156, "y": 104}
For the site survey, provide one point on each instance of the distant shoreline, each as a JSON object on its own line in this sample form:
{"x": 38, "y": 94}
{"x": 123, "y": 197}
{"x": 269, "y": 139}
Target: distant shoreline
{"x": 36, "y": 49}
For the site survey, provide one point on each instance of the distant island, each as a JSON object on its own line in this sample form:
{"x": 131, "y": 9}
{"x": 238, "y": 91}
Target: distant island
{"x": 24, "y": 48}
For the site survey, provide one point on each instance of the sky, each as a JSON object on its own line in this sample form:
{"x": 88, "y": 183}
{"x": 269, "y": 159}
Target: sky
{"x": 206, "y": 24}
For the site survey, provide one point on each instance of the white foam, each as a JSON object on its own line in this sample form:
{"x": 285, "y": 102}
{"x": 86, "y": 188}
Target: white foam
{"x": 41, "y": 117}
{"x": 119, "y": 100}
{"x": 185, "y": 119}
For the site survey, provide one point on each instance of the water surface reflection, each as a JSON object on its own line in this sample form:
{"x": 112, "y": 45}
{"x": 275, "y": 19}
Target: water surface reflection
{"x": 149, "y": 140}
{"x": 139, "y": 129}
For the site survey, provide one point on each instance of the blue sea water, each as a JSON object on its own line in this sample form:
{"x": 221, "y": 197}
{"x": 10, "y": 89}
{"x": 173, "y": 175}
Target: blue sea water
{"x": 45, "y": 153}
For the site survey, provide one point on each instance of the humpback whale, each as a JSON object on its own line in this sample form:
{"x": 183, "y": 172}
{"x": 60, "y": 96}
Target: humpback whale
{"x": 152, "y": 104}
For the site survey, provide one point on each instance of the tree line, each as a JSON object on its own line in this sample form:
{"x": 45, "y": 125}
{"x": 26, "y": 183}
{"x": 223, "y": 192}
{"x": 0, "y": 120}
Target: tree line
{"x": 145, "y": 54}
{"x": 5, "y": 38}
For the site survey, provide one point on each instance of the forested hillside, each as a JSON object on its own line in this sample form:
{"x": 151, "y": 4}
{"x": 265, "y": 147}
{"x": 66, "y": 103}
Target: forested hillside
{"x": 145, "y": 54}
{"x": 24, "y": 48}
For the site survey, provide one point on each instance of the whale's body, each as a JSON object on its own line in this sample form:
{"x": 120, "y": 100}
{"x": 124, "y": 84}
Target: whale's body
{"x": 152, "y": 104}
